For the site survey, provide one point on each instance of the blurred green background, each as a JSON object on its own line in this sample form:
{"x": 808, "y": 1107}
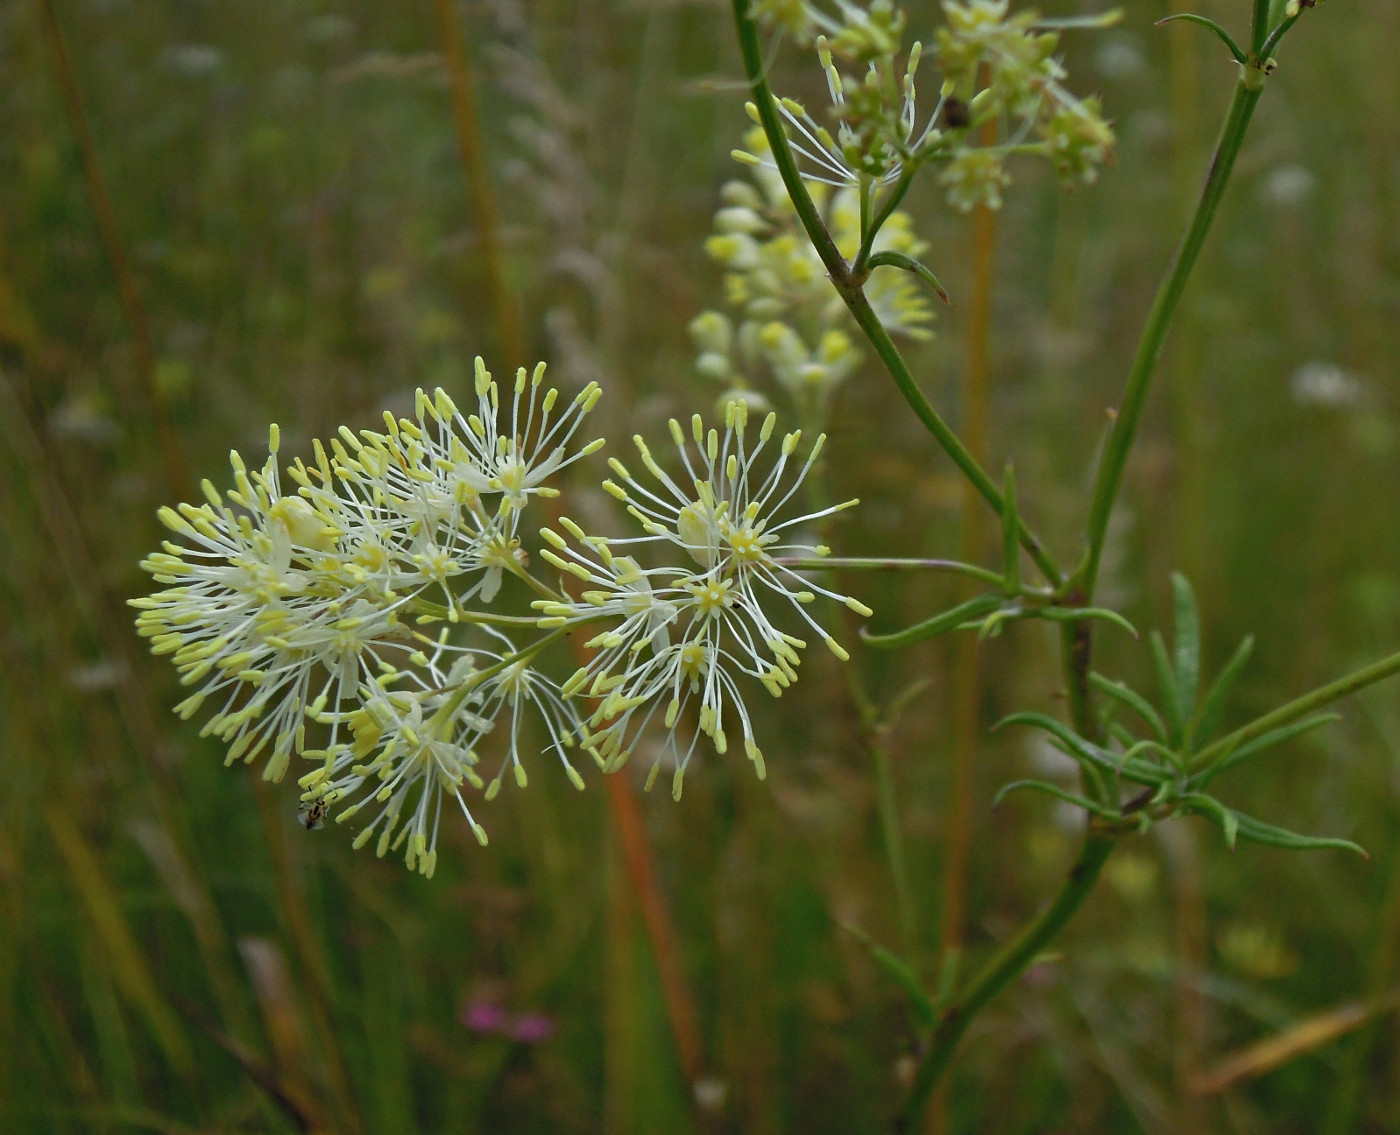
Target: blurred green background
{"x": 286, "y": 184}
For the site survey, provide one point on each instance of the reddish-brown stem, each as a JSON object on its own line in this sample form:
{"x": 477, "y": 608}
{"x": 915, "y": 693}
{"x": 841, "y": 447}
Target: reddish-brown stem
{"x": 967, "y": 686}
{"x": 661, "y": 934}
{"x": 509, "y": 333}
{"x": 636, "y": 854}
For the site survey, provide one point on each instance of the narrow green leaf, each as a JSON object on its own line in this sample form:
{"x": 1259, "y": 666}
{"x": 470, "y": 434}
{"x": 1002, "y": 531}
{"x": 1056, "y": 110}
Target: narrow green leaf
{"x": 1011, "y": 532}
{"x": 1274, "y": 737}
{"x": 1259, "y": 832}
{"x": 1059, "y": 794}
{"x": 1117, "y": 732}
{"x": 900, "y": 972}
{"x": 1074, "y": 614}
{"x": 1213, "y": 810}
{"x": 1121, "y": 692}
{"x": 1075, "y": 745}
{"x": 1089, "y": 755}
{"x": 937, "y": 625}
{"x": 989, "y": 627}
{"x": 1166, "y": 681}
{"x": 891, "y": 259}
{"x": 1188, "y": 648}
{"x": 1208, "y": 717}
{"x": 1212, "y": 26}
{"x": 1173, "y": 758}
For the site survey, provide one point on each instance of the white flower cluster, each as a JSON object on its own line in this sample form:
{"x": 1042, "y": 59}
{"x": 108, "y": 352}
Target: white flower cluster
{"x": 689, "y": 629}
{"x": 350, "y": 621}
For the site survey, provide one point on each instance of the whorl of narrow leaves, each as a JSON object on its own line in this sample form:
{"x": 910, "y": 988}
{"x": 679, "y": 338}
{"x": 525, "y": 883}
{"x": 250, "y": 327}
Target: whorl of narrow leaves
{"x": 1160, "y": 766}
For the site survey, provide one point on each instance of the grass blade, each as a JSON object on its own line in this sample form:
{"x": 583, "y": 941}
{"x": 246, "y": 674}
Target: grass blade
{"x": 900, "y": 972}
{"x": 128, "y": 962}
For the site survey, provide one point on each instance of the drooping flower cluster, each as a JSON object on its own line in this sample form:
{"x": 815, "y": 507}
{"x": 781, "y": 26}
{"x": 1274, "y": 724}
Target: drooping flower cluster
{"x": 696, "y": 623}
{"x": 857, "y": 162}
{"x": 350, "y": 620}
{"x": 792, "y": 321}
{"x": 998, "y": 68}
{"x": 1001, "y": 68}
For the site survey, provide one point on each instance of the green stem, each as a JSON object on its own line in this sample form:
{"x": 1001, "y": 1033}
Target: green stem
{"x": 894, "y": 362}
{"x": 1299, "y": 707}
{"x": 1278, "y": 33}
{"x": 998, "y": 973}
{"x": 891, "y": 563}
{"x": 1120, "y": 440}
{"x": 772, "y": 124}
{"x": 454, "y": 703}
{"x": 887, "y": 208}
{"x": 1076, "y": 640}
{"x": 887, "y": 801}
{"x": 850, "y": 290}
{"x": 1259, "y": 28}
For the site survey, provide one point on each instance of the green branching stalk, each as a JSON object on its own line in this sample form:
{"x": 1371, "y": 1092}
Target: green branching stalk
{"x": 772, "y": 124}
{"x": 892, "y": 563}
{"x": 899, "y": 370}
{"x": 849, "y": 284}
{"x": 1298, "y": 708}
{"x": 887, "y": 208}
{"x": 1078, "y": 591}
{"x": 1259, "y": 26}
{"x": 1129, "y": 415}
{"x": 1277, "y": 34}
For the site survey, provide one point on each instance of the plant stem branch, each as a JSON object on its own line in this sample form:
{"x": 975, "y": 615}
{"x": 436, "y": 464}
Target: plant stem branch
{"x": 899, "y": 370}
{"x": 848, "y": 285}
{"x": 1129, "y": 415}
{"x": 1076, "y": 639}
{"x": 772, "y": 124}
{"x": 998, "y": 973}
{"x": 889, "y": 563}
{"x": 887, "y": 208}
{"x": 1278, "y": 33}
{"x": 1298, "y": 708}
{"x": 1259, "y": 26}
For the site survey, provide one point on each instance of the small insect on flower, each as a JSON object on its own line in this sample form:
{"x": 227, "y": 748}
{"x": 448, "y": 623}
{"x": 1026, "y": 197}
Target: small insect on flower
{"x": 312, "y": 814}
